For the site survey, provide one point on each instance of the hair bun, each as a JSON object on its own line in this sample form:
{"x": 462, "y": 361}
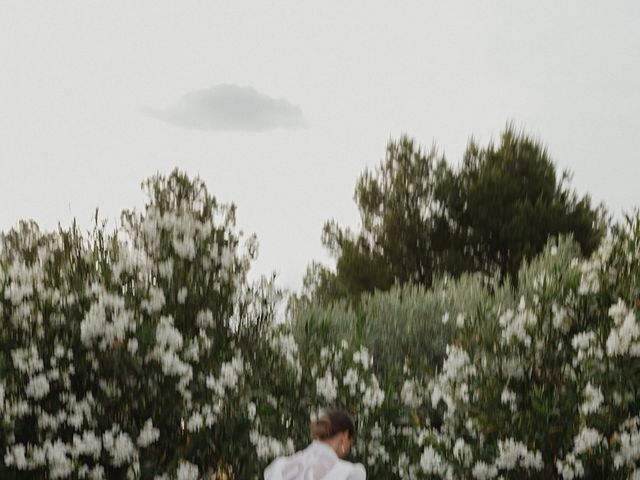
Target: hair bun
{"x": 321, "y": 429}
{"x": 332, "y": 422}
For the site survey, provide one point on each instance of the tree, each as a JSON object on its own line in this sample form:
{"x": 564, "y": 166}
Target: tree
{"x": 505, "y": 201}
{"x": 400, "y": 234}
{"x": 422, "y": 219}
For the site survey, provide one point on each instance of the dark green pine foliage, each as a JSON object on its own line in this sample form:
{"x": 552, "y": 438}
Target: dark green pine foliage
{"x": 421, "y": 219}
{"x": 401, "y": 236}
{"x": 504, "y": 203}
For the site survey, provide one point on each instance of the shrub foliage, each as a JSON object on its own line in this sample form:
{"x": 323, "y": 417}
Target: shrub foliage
{"x": 146, "y": 353}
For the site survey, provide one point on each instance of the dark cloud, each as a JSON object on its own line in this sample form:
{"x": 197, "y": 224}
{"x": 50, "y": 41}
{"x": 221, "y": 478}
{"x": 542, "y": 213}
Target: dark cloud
{"x": 231, "y": 107}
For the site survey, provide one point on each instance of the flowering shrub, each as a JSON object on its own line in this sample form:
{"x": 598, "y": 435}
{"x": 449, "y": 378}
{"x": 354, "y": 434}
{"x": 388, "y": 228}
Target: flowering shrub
{"x": 536, "y": 383}
{"x": 146, "y": 353}
{"x": 118, "y": 354}
{"x": 407, "y": 323}
{"x": 546, "y": 389}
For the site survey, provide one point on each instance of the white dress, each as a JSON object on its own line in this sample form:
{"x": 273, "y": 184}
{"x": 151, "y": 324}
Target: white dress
{"x": 316, "y": 462}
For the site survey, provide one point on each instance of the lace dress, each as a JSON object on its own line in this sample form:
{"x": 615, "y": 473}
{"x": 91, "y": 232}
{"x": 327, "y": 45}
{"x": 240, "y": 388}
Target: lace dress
{"x": 316, "y": 462}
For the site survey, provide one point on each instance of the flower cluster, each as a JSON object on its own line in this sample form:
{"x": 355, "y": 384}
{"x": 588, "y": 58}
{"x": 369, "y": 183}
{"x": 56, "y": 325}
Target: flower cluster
{"x": 110, "y": 337}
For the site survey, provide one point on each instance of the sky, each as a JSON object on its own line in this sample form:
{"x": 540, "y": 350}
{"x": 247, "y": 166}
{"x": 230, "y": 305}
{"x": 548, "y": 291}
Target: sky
{"x": 279, "y": 106}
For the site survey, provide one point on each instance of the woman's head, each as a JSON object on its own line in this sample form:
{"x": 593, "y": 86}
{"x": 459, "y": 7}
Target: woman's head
{"x": 336, "y": 428}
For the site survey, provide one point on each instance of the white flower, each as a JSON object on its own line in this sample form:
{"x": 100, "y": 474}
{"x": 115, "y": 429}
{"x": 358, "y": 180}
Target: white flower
{"x": 351, "y": 380}
{"x": 586, "y": 344}
{"x": 38, "y": 457}
{"x": 508, "y": 397}
{"x": 132, "y": 346}
{"x": 182, "y": 295}
{"x": 122, "y": 450}
{"x": 185, "y": 247}
{"x": 288, "y": 348}
{"x": 16, "y": 457}
{"x": 187, "y": 471}
{"x": 38, "y": 387}
{"x": 251, "y": 411}
{"x": 593, "y": 400}
{"x": 27, "y": 360}
{"x": 512, "y": 454}
{"x": 587, "y": 439}
{"x": 192, "y": 353}
{"x": 624, "y": 337}
{"x": 432, "y": 462}
{"x": 516, "y": 325}
{"x": 561, "y": 320}
{"x": 268, "y": 447}
{"x": 373, "y": 395}
{"x": 106, "y": 321}
{"x": 482, "y": 471}
{"x": 230, "y": 373}
{"x": 327, "y": 387}
{"x": 409, "y": 394}
{"x": 362, "y": 356}
{"x": 165, "y": 269}
{"x": 195, "y": 422}
{"x": 590, "y": 269}
{"x": 119, "y": 446}
{"x": 628, "y": 443}
{"x": 462, "y": 452}
{"x": 570, "y": 468}
{"x": 457, "y": 364}
{"x": 204, "y": 319}
{"x": 87, "y": 444}
{"x": 155, "y": 302}
{"x": 167, "y": 336}
{"x": 226, "y": 257}
{"x": 60, "y": 465}
{"x": 148, "y": 435}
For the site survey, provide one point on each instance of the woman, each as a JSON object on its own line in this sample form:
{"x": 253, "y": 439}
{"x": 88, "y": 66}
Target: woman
{"x": 333, "y": 435}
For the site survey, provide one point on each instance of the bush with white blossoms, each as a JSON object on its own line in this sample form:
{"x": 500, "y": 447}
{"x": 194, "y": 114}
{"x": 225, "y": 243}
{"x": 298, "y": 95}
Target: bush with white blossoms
{"x": 546, "y": 387}
{"x": 349, "y": 365}
{"x": 122, "y": 353}
{"x": 536, "y": 382}
{"x": 145, "y": 353}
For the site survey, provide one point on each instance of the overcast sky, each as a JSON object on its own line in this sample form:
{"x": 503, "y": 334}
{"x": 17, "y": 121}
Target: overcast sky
{"x": 279, "y": 106}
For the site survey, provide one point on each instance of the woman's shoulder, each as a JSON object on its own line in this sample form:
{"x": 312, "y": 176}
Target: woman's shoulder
{"x": 274, "y": 470}
{"x": 348, "y": 471}
{"x": 358, "y": 473}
